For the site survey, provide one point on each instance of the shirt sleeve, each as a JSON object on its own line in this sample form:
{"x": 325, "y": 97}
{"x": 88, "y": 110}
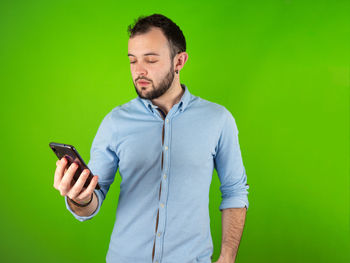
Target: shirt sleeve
{"x": 229, "y": 166}
{"x": 103, "y": 162}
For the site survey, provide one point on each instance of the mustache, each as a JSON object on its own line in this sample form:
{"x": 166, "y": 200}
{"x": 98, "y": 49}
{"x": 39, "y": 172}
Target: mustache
{"x": 143, "y": 79}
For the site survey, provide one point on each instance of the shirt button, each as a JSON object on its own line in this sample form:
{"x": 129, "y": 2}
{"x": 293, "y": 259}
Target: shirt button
{"x": 162, "y": 205}
{"x": 164, "y": 176}
{"x": 167, "y": 120}
{"x": 158, "y": 234}
{"x": 156, "y": 261}
{"x": 166, "y": 147}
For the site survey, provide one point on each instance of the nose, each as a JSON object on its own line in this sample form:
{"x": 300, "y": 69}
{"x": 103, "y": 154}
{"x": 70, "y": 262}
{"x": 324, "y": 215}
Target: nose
{"x": 140, "y": 69}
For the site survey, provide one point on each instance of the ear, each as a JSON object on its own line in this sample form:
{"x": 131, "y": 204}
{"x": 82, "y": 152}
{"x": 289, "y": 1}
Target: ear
{"x": 180, "y": 60}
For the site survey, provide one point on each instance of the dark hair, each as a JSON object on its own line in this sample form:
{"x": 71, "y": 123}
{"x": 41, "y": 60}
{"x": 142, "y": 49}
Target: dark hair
{"x": 171, "y": 31}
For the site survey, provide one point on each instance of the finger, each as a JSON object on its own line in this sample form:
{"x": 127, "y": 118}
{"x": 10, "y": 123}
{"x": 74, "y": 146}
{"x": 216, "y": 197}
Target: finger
{"x": 88, "y": 191}
{"x": 65, "y": 183}
{"x": 59, "y": 172}
{"x": 78, "y": 186}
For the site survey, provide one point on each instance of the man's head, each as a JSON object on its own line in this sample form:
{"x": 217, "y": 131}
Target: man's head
{"x": 157, "y": 50}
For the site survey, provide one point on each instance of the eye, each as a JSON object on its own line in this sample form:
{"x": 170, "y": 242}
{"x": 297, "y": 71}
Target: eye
{"x": 132, "y": 62}
{"x": 152, "y": 61}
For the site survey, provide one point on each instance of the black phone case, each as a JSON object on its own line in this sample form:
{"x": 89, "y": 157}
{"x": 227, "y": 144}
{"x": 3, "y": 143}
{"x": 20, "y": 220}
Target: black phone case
{"x": 71, "y": 154}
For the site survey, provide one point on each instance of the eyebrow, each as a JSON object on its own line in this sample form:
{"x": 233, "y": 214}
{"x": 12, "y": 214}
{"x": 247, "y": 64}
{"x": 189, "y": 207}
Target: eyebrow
{"x": 147, "y": 54}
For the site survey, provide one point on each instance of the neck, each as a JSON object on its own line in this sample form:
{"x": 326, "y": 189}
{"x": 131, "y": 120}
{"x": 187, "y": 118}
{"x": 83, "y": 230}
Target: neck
{"x": 170, "y": 97}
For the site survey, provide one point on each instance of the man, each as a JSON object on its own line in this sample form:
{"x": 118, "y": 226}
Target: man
{"x": 166, "y": 143}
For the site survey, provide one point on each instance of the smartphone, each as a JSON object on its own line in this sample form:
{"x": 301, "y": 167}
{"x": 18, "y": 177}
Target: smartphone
{"x": 71, "y": 154}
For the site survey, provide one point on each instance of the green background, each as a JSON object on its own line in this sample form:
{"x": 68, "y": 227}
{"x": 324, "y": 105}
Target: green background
{"x": 280, "y": 67}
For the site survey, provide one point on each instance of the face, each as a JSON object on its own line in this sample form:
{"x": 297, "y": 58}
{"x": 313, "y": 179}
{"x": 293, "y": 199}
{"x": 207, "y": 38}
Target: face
{"x": 151, "y": 68}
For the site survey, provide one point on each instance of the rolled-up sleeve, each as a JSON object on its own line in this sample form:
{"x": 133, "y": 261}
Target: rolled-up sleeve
{"x": 229, "y": 166}
{"x": 103, "y": 162}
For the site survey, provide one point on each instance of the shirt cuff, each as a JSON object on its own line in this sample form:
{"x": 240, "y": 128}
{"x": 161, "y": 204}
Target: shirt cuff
{"x": 84, "y": 218}
{"x": 234, "y": 202}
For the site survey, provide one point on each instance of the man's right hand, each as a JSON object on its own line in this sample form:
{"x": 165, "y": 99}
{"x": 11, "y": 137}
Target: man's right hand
{"x": 63, "y": 182}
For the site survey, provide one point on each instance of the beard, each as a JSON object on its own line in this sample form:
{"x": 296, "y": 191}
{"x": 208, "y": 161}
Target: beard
{"x": 159, "y": 90}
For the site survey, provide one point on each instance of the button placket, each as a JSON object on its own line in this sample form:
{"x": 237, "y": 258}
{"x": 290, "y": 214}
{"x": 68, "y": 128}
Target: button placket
{"x": 163, "y": 196}
{"x": 159, "y": 235}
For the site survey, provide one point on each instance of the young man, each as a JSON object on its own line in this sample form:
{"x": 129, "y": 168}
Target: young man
{"x": 166, "y": 143}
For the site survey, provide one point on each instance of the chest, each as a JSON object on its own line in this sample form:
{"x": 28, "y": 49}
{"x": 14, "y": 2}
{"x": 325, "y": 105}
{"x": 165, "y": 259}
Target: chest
{"x": 180, "y": 142}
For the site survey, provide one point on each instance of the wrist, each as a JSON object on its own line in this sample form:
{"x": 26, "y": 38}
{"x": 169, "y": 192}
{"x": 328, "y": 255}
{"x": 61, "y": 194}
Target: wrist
{"x": 228, "y": 254}
{"x": 82, "y": 203}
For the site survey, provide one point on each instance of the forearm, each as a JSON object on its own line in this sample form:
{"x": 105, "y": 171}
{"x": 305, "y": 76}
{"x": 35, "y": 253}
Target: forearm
{"x": 85, "y": 211}
{"x": 233, "y": 220}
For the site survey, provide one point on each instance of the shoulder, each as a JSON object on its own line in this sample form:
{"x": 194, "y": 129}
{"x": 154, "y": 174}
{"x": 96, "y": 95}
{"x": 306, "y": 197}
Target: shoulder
{"x": 117, "y": 113}
{"x": 122, "y": 109}
{"x": 212, "y": 109}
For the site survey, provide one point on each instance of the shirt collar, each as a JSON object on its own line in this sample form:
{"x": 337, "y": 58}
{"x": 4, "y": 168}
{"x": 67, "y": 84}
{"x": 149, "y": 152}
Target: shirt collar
{"x": 182, "y": 104}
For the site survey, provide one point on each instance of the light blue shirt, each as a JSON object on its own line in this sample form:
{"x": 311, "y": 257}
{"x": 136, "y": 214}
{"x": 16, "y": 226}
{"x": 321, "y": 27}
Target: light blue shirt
{"x": 199, "y": 136}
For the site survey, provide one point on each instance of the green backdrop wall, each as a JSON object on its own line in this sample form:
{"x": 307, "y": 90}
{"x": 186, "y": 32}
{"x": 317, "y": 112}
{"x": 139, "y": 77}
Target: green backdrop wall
{"x": 280, "y": 67}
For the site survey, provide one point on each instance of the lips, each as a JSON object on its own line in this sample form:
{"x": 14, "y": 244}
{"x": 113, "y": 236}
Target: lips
{"x": 142, "y": 82}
